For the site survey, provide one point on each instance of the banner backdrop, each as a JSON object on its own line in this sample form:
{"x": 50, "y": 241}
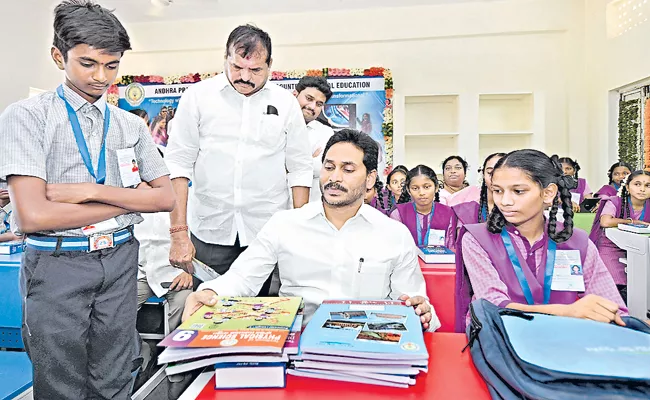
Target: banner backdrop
{"x": 159, "y": 101}
{"x": 361, "y": 100}
{"x": 357, "y": 103}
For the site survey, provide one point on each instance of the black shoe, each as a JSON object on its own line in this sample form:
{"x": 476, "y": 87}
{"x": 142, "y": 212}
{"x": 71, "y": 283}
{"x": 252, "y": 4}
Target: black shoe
{"x": 178, "y": 383}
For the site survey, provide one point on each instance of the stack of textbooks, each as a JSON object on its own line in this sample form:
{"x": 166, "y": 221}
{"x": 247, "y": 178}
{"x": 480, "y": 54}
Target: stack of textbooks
{"x": 373, "y": 342}
{"x": 635, "y": 228}
{"x": 244, "y": 338}
{"x": 436, "y": 255}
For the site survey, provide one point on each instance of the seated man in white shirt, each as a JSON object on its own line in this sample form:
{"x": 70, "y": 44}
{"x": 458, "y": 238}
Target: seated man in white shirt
{"x": 156, "y": 276}
{"x": 312, "y": 92}
{"x": 339, "y": 248}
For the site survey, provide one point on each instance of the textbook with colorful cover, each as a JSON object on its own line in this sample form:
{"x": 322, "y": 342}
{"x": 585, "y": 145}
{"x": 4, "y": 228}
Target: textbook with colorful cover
{"x": 238, "y": 325}
{"x": 436, "y": 255}
{"x": 367, "y": 329}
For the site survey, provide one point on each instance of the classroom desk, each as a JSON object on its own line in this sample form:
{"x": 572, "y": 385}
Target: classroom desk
{"x": 10, "y": 302}
{"x": 15, "y": 375}
{"x": 451, "y": 376}
{"x": 638, "y": 269}
{"x": 441, "y": 281}
{"x": 584, "y": 221}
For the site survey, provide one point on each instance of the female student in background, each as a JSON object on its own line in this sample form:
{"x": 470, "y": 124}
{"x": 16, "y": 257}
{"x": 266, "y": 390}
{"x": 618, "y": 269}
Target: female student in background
{"x": 394, "y": 186}
{"x": 427, "y": 219}
{"x": 456, "y": 190}
{"x": 632, "y": 207}
{"x": 472, "y": 212}
{"x": 617, "y": 174}
{"x": 375, "y": 197}
{"x": 582, "y": 191}
{"x": 521, "y": 261}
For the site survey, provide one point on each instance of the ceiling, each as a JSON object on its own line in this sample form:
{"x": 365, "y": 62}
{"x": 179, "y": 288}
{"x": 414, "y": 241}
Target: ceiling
{"x": 143, "y": 11}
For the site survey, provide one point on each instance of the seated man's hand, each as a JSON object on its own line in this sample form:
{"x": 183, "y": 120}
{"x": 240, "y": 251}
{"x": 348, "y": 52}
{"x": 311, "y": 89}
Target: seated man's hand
{"x": 196, "y": 300}
{"x": 422, "y": 308}
{"x": 182, "y": 281}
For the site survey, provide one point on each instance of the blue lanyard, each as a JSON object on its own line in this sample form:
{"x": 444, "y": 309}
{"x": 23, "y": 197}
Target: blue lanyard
{"x": 426, "y": 222}
{"x": 81, "y": 142}
{"x": 629, "y": 201}
{"x": 548, "y": 273}
{"x": 616, "y": 186}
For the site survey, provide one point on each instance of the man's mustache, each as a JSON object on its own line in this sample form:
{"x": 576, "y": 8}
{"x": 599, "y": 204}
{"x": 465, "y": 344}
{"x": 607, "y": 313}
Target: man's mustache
{"x": 243, "y": 82}
{"x": 336, "y": 186}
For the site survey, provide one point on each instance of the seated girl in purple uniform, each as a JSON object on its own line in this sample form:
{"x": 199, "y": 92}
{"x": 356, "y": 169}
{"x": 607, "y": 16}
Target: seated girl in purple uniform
{"x": 582, "y": 190}
{"x": 472, "y": 212}
{"x": 630, "y": 207}
{"x": 520, "y": 260}
{"x": 617, "y": 174}
{"x": 420, "y": 210}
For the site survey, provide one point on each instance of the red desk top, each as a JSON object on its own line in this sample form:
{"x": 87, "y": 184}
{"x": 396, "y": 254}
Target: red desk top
{"x": 451, "y": 376}
{"x": 441, "y": 282}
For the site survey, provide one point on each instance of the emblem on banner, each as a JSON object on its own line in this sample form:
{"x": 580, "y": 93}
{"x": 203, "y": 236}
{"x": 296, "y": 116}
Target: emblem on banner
{"x": 134, "y": 94}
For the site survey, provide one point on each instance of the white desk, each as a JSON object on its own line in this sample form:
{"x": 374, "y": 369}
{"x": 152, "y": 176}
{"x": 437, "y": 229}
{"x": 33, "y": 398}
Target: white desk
{"x": 638, "y": 269}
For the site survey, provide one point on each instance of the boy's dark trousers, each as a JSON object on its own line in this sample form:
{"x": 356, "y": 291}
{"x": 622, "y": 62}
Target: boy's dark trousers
{"x": 79, "y": 313}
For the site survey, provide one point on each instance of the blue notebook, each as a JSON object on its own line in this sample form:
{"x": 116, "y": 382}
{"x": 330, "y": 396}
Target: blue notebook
{"x": 373, "y": 329}
{"x": 579, "y": 346}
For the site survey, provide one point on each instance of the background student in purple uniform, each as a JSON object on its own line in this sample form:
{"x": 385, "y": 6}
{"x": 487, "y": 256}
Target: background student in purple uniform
{"x": 571, "y": 168}
{"x": 517, "y": 241}
{"x": 424, "y": 214}
{"x": 472, "y": 212}
{"x": 394, "y": 186}
{"x": 375, "y": 197}
{"x": 617, "y": 174}
{"x": 631, "y": 207}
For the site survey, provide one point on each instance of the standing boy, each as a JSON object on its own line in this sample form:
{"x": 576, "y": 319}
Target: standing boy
{"x": 67, "y": 158}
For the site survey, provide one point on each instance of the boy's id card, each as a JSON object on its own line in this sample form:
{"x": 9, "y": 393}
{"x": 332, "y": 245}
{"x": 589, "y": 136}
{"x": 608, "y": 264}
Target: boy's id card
{"x": 103, "y": 226}
{"x": 568, "y": 275}
{"x": 129, "y": 169}
{"x": 436, "y": 237}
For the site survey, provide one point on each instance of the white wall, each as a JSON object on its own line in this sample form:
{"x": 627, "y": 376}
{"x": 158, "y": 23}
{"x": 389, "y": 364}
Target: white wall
{"x": 26, "y": 35}
{"x": 558, "y": 48}
{"x": 612, "y": 63}
{"x": 466, "y": 49}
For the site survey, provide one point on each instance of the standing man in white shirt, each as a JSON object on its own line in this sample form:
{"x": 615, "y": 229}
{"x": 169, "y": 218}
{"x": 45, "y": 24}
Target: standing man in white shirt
{"x": 312, "y": 93}
{"x": 239, "y": 138}
{"x": 335, "y": 249}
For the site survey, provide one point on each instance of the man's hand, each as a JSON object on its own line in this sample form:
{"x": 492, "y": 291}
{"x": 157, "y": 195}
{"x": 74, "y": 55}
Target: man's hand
{"x": 595, "y": 308}
{"x": 197, "y": 299}
{"x": 182, "y": 281}
{"x": 422, "y": 308}
{"x": 181, "y": 252}
{"x": 73, "y": 193}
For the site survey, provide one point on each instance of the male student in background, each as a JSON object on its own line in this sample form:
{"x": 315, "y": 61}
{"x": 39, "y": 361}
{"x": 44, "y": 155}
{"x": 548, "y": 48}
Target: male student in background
{"x": 62, "y": 153}
{"x": 312, "y": 93}
{"x": 329, "y": 249}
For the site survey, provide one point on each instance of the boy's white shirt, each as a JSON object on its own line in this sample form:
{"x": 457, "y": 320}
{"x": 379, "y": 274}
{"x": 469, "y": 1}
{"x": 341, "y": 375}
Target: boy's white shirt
{"x": 153, "y": 258}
